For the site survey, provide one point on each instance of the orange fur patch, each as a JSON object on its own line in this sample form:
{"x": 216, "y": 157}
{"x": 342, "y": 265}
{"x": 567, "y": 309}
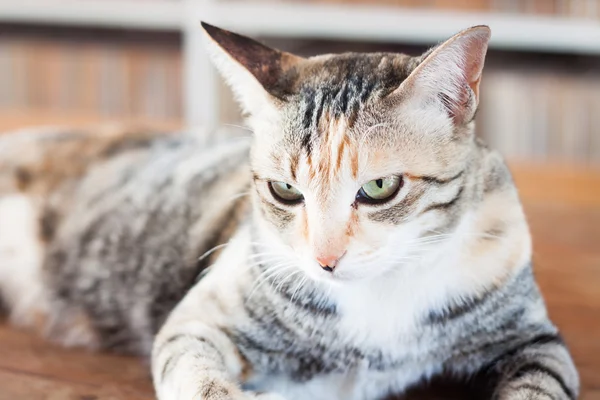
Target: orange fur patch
{"x": 354, "y": 163}
{"x": 69, "y": 156}
{"x": 340, "y": 155}
{"x": 293, "y": 166}
{"x": 304, "y": 223}
{"x": 352, "y": 226}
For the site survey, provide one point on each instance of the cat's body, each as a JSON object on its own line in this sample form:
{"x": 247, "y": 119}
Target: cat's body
{"x": 118, "y": 223}
{"x": 434, "y": 278}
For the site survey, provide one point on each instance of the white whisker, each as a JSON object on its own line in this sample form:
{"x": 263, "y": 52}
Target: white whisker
{"x": 209, "y": 252}
{"x": 302, "y": 281}
{"x": 283, "y": 281}
{"x": 240, "y": 126}
{"x": 237, "y": 196}
{"x": 268, "y": 274}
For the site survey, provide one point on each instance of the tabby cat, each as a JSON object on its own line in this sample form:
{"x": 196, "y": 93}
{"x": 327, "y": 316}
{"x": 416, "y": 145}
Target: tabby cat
{"x": 363, "y": 241}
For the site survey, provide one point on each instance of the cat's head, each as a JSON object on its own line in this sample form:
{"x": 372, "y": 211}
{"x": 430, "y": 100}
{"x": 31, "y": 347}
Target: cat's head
{"x": 358, "y": 159}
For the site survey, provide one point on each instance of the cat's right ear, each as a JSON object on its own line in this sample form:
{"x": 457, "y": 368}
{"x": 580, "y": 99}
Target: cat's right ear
{"x": 253, "y": 71}
{"x": 449, "y": 75}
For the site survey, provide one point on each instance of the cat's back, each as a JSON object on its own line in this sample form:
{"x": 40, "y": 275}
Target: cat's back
{"x": 118, "y": 222}
{"x": 38, "y": 161}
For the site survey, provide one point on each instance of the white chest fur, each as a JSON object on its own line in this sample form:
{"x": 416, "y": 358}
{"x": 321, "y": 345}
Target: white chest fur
{"x": 379, "y": 317}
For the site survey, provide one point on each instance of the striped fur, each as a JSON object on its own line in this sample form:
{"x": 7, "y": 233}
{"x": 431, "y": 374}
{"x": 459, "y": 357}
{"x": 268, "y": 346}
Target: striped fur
{"x": 159, "y": 247}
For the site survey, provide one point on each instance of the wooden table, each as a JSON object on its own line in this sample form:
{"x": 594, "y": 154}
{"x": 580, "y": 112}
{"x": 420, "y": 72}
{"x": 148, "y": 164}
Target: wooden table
{"x": 563, "y": 207}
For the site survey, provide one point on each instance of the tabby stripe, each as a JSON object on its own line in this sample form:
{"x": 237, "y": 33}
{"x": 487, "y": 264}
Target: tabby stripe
{"x": 536, "y": 389}
{"x": 213, "y": 390}
{"x": 537, "y": 368}
{"x": 497, "y": 292}
{"x": 281, "y": 215}
{"x": 438, "y": 181}
{"x": 306, "y": 302}
{"x": 326, "y": 99}
{"x": 169, "y": 364}
{"x": 307, "y": 144}
{"x": 122, "y": 181}
{"x": 458, "y": 310}
{"x": 247, "y": 342}
{"x": 400, "y": 211}
{"x": 173, "y": 359}
{"x": 367, "y": 90}
{"x": 342, "y": 98}
{"x": 176, "y": 338}
{"x": 49, "y": 220}
{"x": 541, "y": 339}
{"x": 269, "y": 322}
{"x": 308, "y": 113}
{"x": 257, "y": 177}
{"x": 446, "y": 205}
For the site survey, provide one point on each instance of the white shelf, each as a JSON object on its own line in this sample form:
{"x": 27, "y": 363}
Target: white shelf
{"x": 134, "y": 14}
{"x": 310, "y": 20}
{"x": 297, "y": 20}
{"x": 391, "y": 24}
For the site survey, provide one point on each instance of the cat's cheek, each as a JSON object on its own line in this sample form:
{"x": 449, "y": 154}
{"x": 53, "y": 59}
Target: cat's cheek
{"x": 370, "y": 241}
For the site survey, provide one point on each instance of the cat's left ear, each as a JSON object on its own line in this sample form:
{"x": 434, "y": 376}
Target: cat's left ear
{"x": 449, "y": 75}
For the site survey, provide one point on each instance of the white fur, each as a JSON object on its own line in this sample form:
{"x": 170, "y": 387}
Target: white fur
{"x": 21, "y": 255}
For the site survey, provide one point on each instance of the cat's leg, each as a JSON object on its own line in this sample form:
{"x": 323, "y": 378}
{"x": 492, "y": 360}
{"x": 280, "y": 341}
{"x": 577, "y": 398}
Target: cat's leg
{"x": 540, "y": 369}
{"x": 193, "y": 356}
{"x": 194, "y": 361}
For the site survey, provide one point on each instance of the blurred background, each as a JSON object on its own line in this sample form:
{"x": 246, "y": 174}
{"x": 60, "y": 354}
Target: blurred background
{"x": 80, "y": 62}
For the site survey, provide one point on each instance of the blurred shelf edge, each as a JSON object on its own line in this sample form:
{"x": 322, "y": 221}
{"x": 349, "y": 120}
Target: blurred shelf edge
{"x": 311, "y": 20}
{"x": 23, "y": 119}
{"x": 130, "y": 14}
{"x": 391, "y": 24}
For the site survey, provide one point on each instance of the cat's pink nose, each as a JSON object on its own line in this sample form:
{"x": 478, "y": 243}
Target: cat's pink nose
{"x": 329, "y": 262}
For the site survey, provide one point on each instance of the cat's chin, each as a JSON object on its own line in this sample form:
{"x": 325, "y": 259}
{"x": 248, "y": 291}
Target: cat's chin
{"x": 330, "y": 278}
{"x": 338, "y": 278}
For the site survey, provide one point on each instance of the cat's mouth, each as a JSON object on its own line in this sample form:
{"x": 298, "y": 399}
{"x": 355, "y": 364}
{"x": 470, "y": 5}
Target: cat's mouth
{"x": 337, "y": 276}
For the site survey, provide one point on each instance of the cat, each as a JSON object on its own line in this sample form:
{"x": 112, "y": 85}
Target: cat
{"x": 361, "y": 242}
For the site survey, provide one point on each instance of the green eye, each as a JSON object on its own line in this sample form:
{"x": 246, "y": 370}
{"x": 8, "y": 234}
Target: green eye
{"x": 285, "y": 193}
{"x": 379, "y": 190}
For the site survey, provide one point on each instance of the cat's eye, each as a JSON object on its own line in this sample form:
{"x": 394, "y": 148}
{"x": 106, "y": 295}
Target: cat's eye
{"x": 285, "y": 193}
{"x": 379, "y": 190}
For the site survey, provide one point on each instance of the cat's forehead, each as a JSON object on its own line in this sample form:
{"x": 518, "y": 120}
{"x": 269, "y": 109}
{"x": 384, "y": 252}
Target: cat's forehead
{"x": 339, "y": 116}
{"x": 381, "y": 68}
{"x": 344, "y": 90}
{"x": 340, "y": 76}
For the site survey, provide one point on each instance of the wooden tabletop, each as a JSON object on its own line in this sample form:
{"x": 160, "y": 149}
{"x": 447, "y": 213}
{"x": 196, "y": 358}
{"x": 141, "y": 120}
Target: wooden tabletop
{"x": 563, "y": 207}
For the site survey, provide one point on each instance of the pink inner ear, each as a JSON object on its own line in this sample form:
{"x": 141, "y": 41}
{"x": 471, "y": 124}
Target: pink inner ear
{"x": 474, "y": 54}
{"x": 473, "y": 46}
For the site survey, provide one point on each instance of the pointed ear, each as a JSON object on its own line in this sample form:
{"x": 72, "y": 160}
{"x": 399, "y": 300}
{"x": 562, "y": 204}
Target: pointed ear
{"x": 255, "y": 72}
{"x": 449, "y": 74}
